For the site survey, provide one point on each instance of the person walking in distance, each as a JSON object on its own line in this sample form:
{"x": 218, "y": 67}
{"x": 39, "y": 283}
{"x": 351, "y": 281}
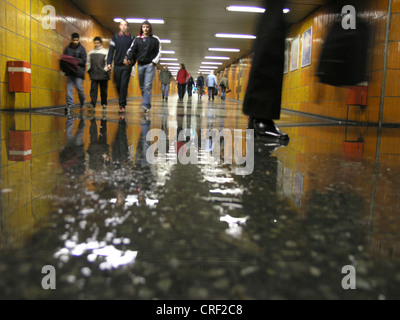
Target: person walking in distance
{"x": 263, "y": 103}
{"x": 224, "y": 84}
{"x": 211, "y": 84}
{"x": 119, "y": 45}
{"x": 98, "y": 72}
{"x": 182, "y": 78}
{"x": 200, "y": 85}
{"x": 75, "y": 78}
{"x": 190, "y": 84}
{"x": 146, "y": 50}
{"x": 165, "y": 78}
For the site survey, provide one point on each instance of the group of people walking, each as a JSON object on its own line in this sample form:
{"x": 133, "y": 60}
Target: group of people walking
{"x": 125, "y": 50}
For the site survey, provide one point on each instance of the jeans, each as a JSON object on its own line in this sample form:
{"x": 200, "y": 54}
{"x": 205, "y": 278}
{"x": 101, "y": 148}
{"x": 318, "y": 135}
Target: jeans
{"x": 122, "y": 75}
{"x": 78, "y": 83}
{"x": 210, "y": 93}
{"x": 165, "y": 90}
{"x": 190, "y": 90}
{"x": 146, "y": 75}
{"x": 95, "y": 89}
{"x": 181, "y": 90}
{"x": 223, "y": 92}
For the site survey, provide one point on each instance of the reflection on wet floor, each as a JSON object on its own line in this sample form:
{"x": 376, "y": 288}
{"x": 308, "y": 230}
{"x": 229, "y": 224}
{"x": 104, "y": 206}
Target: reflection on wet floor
{"x": 115, "y": 225}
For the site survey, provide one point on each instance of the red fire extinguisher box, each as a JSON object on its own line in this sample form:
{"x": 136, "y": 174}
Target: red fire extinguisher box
{"x": 19, "y": 76}
{"x": 20, "y": 145}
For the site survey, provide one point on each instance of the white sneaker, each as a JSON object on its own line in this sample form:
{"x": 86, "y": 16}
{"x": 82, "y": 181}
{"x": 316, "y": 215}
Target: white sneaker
{"x": 144, "y": 109}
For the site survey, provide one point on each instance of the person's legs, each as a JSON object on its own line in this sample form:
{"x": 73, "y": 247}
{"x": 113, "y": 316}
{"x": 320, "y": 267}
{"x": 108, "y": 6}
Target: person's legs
{"x": 70, "y": 97}
{"x": 103, "y": 92}
{"x": 262, "y": 103}
{"x": 166, "y": 91}
{"x": 210, "y": 92}
{"x": 94, "y": 92}
{"x": 81, "y": 92}
{"x": 125, "y": 76}
{"x": 163, "y": 87}
{"x": 149, "y": 73}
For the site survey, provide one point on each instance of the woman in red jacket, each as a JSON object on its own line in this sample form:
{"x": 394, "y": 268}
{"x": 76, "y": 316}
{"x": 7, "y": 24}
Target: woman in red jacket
{"x": 182, "y": 77}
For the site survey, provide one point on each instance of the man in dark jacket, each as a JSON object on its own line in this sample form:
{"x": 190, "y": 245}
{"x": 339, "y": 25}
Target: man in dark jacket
{"x": 98, "y": 71}
{"x": 75, "y": 78}
{"x": 146, "y": 50}
{"x": 119, "y": 46}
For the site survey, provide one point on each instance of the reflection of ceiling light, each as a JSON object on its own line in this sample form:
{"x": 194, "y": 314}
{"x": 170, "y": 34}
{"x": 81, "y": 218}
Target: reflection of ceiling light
{"x": 218, "y": 58}
{"x": 212, "y": 62}
{"x": 245, "y": 9}
{"x": 168, "y": 51}
{"x": 224, "y": 49}
{"x": 169, "y": 59}
{"x": 235, "y": 36}
{"x": 165, "y": 41}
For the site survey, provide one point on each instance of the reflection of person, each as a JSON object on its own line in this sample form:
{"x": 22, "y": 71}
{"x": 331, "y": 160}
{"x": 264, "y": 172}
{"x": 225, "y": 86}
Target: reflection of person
{"x": 98, "y": 72}
{"x": 262, "y": 103}
{"x": 119, "y": 45}
{"x": 165, "y": 78}
{"x": 181, "y": 79}
{"x": 76, "y": 50}
{"x": 98, "y": 151}
{"x": 146, "y": 50}
{"x": 72, "y": 156}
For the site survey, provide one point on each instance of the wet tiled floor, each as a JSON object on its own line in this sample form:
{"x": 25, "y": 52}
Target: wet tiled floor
{"x": 116, "y": 226}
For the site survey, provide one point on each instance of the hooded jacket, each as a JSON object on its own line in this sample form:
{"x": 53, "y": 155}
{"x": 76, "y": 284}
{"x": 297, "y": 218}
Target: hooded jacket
{"x": 145, "y": 50}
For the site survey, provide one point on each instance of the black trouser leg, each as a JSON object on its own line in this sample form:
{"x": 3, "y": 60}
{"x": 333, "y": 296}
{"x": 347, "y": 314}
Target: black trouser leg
{"x": 94, "y": 91}
{"x": 264, "y": 90}
{"x": 103, "y": 91}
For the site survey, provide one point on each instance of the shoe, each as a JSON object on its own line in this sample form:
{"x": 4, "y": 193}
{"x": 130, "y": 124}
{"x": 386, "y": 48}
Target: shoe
{"x": 121, "y": 109}
{"x": 166, "y": 99}
{"x": 104, "y": 106}
{"x": 267, "y": 128}
{"x": 163, "y": 97}
{"x": 91, "y": 106}
{"x": 144, "y": 109}
{"x": 104, "y": 115}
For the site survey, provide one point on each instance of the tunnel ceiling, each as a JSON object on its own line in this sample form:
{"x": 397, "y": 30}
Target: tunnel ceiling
{"x": 191, "y": 25}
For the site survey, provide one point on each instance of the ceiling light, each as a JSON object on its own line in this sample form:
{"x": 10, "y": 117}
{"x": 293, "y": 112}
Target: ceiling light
{"x": 165, "y": 41}
{"x": 245, "y": 9}
{"x": 235, "y": 36}
{"x": 169, "y": 59}
{"x": 286, "y": 10}
{"x": 140, "y": 20}
{"x": 170, "y": 63}
{"x": 224, "y": 49}
{"x": 215, "y": 57}
{"x": 208, "y": 67}
{"x": 212, "y": 62}
{"x": 168, "y": 51}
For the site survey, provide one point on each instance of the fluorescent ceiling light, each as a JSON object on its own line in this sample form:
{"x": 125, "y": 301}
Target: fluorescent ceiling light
{"x": 169, "y": 59}
{"x": 170, "y": 63}
{"x": 212, "y": 62}
{"x": 165, "y": 41}
{"x": 235, "y": 36}
{"x": 217, "y": 58}
{"x": 245, "y": 9}
{"x": 141, "y": 20}
{"x": 208, "y": 67}
{"x": 286, "y": 10}
{"x": 168, "y": 51}
{"x": 224, "y": 49}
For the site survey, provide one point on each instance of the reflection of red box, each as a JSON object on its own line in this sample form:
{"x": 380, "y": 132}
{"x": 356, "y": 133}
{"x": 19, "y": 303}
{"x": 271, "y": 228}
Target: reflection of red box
{"x": 357, "y": 95}
{"x": 20, "y": 146}
{"x": 19, "y": 76}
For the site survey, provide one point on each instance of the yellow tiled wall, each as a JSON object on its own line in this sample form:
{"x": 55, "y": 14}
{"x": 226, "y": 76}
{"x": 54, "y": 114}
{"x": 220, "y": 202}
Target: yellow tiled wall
{"x": 22, "y": 37}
